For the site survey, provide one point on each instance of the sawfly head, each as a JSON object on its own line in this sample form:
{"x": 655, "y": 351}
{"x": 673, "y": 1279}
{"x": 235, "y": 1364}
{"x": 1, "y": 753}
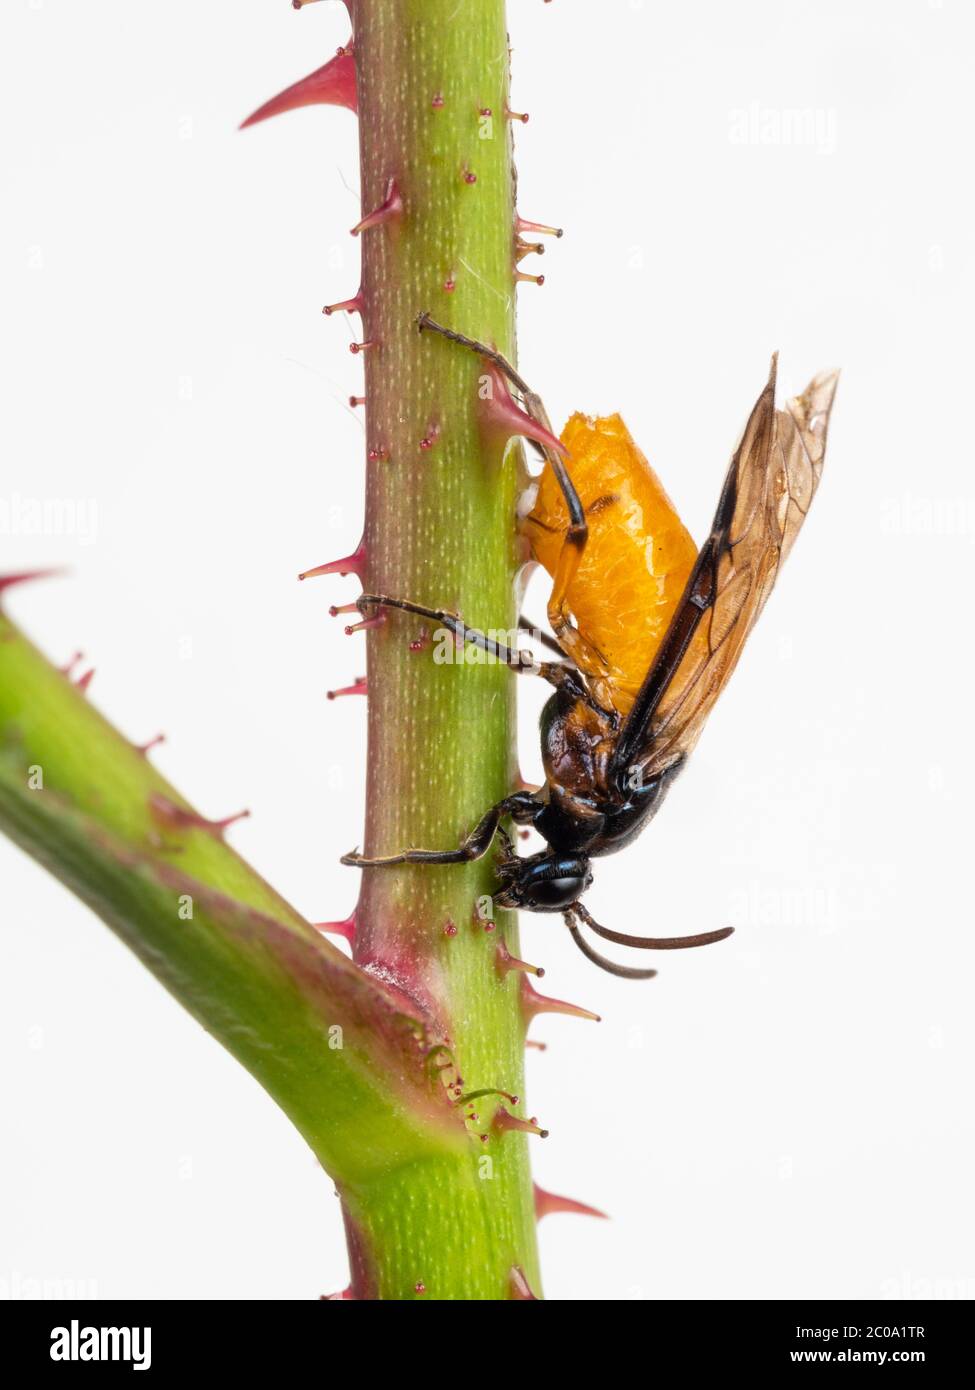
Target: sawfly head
{"x": 545, "y": 882}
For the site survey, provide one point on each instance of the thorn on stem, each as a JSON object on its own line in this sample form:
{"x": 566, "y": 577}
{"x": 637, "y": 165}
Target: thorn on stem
{"x": 346, "y": 928}
{"x": 366, "y": 625}
{"x": 349, "y": 564}
{"x": 506, "y": 962}
{"x": 146, "y": 748}
{"x": 331, "y": 85}
{"x": 519, "y": 1285}
{"x": 538, "y": 228}
{"x": 527, "y": 248}
{"x": 501, "y": 413}
{"x": 390, "y": 207}
{"x": 70, "y": 665}
{"x": 504, "y": 1121}
{"x": 348, "y": 306}
{"x": 549, "y": 1203}
{"x": 359, "y": 688}
{"x": 168, "y": 813}
{"x": 533, "y": 1003}
{"x": 8, "y": 581}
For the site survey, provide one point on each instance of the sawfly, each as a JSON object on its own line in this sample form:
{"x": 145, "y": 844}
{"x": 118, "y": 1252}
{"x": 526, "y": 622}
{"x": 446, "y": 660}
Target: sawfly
{"x": 649, "y": 628}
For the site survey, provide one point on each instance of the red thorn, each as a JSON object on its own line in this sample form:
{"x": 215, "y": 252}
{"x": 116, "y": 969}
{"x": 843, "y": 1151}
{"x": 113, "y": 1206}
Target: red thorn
{"x": 7, "y": 581}
{"x": 426, "y": 442}
{"x": 504, "y": 1121}
{"x": 529, "y": 279}
{"x": 485, "y": 111}
{"x": 378, "y": 455}
{"x": 437, "y": 101}
{"x": 83, "y": 682}
{"x": 363, "y": 347}
{"x": 501, "y": 413}
{"x": 538, "y": 228}
{"x": 450, "y": 284}
{"x": 68, "y": 668}
{"x": 146, "y": 748}
{"x": 539, "y": 1046}
{"x": 470, "y": 176}
{"x": 420, "y": 643}
{"x": 419, "y": 1286}
{"x": 506, "y": 961}
{"x": 391, "y": 206}
{"x": 527, "y": 248}
{"x": 450, "y": 928}
{"x": 547, "y": 1204}
{"x": 367, "y": 624}
{"x": 331, "y": 85}
{"x": 518, "y": 116}
{"x": 166, "y": 811}
{"x": 356, "y": 400}
{"x": 347, "y": 306}
{"x": 349, "y": 564}
{"x": 358, "y": 689}
{"x": 533, "y": 1003}
{"x": 520, "y": 1287}
{"x": 346, "y": 1296}
{"x": 346, "y": 928}
{"x": 338, "y": 608}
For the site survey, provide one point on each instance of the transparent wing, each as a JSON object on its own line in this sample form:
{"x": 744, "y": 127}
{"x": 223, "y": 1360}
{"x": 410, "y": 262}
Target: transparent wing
{"x": 770, "y": 485}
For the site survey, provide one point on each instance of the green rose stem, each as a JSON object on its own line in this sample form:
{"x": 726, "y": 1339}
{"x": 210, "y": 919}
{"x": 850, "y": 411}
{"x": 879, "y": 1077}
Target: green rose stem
{"x": 436, "y": 155}
{"x": 338, "y": 1051}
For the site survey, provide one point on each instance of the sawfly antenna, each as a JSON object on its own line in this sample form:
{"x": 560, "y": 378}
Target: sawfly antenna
{"x": 645, "y": 943}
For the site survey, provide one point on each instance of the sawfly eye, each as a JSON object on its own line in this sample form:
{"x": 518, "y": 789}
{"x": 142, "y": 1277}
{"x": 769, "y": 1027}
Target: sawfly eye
{"x": 557, "y": 892}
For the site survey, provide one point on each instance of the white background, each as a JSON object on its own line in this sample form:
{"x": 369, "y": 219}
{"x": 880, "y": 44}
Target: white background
{"x": 785, "y": 1115}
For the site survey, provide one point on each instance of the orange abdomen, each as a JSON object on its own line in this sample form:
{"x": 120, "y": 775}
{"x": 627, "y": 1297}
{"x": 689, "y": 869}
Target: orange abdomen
{"x": 638, "y": 557}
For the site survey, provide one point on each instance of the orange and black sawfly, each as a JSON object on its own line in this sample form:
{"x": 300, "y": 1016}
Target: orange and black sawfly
{"x": 658, "y": 629}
